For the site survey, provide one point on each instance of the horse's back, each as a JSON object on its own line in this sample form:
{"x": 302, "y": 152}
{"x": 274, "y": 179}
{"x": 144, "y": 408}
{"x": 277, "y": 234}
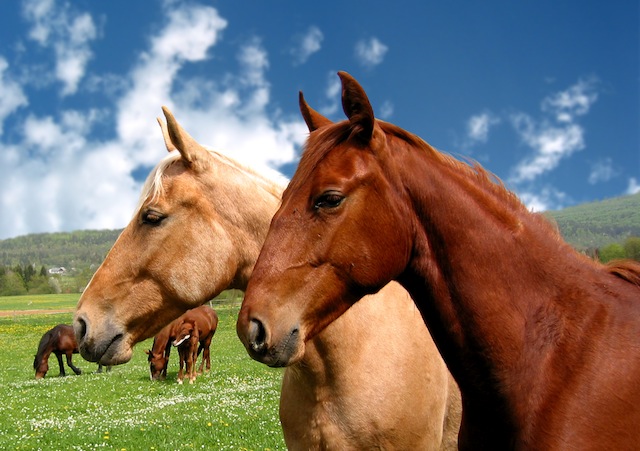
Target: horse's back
{"x": 63, "y": 339}
{"x": 372, "y": 379}
{"x": 206, "y": 319}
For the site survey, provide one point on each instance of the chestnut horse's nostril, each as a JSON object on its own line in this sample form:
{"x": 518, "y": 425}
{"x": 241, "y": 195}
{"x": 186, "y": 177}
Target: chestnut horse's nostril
{"x": 257, "y": 336}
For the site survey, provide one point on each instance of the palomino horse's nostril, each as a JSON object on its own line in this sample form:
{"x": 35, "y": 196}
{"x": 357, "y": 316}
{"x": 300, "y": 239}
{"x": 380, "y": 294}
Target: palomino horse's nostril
{"x": 257, "y": 336}
{"x": 80, "y": 329}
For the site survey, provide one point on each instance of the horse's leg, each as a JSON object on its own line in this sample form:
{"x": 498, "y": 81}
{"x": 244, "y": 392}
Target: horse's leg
{"x": 59, "y": 356}
{"x": 194, "y": 359}
{"x": 207, "y": 352}
{"x": 182, "y": 359}
{"x": 206, "y": 356}
{"x": 189, "y": 364}
{"x": 167, "y": 353}
{"x": 70, "y": 363}
{"x": 99, "y": 368}
{"x": 200, "y": 348}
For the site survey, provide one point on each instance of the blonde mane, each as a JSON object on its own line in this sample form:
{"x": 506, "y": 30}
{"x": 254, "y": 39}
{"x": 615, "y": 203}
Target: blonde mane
{"x": 153, "y": 188}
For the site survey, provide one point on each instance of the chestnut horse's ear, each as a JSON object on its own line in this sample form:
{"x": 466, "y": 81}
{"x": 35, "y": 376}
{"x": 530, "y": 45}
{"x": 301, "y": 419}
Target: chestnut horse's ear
{"x": 165, "y": 134}
{"x": 313, "y": 119}
{"x": 186, "y": 145}
{"x": 356, "y": 106}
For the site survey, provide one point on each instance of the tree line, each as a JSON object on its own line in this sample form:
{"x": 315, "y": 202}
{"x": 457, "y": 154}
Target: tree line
{"x": 19, "y": 280}
{"x": 629, "y": 249}
{"x": 24, "y": 279}
{"x": 25, "y": 261}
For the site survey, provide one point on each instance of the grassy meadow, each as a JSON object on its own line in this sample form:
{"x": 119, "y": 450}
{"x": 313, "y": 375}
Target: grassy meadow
{"x": 234, "y": 406}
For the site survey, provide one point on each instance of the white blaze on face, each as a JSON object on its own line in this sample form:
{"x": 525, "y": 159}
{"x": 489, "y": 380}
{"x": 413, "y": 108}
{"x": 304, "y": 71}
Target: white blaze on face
{"x": 178, "y": 343}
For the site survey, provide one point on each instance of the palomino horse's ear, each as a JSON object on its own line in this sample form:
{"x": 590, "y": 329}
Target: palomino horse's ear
{"x": 165, "y": 134}
{"x": 356, "y": 106}
{"x": 186, "y": 145}
{"x": 313, "y": 119}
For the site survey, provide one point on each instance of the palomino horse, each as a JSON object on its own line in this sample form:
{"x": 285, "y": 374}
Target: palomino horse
{"x": 543, "y": 342}
{"x": 193, "y": 333}
{"x": 59, "y": 340}
{"x": 367, "y": 381}
{"x": 171, "y": 333}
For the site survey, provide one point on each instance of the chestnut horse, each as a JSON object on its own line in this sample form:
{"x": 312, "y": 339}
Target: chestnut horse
{"x": 193, "y": 333}
{"x": 160, "y": 351}
{"x": 163, "y": 341}
{"x": 59, "y": 340}
{"x": 367, "y": 381}
{"x": 543, "y": 342}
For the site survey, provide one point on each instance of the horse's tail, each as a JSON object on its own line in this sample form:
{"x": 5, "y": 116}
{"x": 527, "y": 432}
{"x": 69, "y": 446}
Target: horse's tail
{"x": 42, "y": 348}
{"x": 628, "y": 270}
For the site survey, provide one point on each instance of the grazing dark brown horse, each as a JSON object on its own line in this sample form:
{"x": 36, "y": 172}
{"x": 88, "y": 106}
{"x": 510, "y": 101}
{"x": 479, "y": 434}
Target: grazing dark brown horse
{"x": 543, "y": 342}
{"x": 59, "y": 340}
{"x": 159, "y": 353}
{"x": 372, "y": 380}
{"x": 193, "y": 333}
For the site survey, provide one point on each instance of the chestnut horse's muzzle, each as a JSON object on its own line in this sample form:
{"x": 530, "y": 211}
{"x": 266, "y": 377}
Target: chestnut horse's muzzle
{"x": 264, "y": 347}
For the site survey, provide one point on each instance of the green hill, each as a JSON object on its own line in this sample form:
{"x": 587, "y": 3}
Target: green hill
{"x": 80, "y": 249}
{"x": 591, "y": 225}
{"x": 597, "y": 224}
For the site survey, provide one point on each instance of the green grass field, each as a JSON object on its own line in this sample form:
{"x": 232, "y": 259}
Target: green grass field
{"x": 235, "y": 406}
{"x": 39, "y": 302}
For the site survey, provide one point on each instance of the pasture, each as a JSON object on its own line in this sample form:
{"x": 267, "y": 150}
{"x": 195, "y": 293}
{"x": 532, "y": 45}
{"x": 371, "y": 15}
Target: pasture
{"x": 235, "y": 406}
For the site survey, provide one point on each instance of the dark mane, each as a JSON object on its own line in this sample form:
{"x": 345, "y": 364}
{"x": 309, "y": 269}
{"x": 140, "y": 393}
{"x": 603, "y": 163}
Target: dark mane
{"x": 628, "y": 270}
{"x": 468, "y": 168}
{"x": 42, "y": 347}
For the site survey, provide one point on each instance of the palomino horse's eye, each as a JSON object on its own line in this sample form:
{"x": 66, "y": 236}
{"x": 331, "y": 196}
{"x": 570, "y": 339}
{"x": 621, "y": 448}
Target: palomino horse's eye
{"x": 329, "y": 199}
{"x": 152, "y": 217}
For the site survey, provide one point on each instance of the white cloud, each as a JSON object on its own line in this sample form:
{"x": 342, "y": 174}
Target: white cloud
{"x": 370, "y": 52}
{"x": 547, "y": 198}
{"x": 550, "y": 145}
{"x": 575, "y": 101}
{"x": 602, "y": 171}
{"x": 553, "y": 140}
{"x": 633, "y": 187}
{"x": 385, "y": 111}
{"x": 55, "y": 176}
{"x": 189, "y": 33}
{"x": 331, "y": 104}
{"x": 479, "y": 125}
{"x": 306, "y": 45}
{"x": 68, "y": 32}
{"x": 12, "y": 96}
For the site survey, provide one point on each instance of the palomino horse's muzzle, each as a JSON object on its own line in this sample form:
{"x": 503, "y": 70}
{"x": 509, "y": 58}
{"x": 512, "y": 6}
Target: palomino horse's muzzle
{"x": 106, "y": 345}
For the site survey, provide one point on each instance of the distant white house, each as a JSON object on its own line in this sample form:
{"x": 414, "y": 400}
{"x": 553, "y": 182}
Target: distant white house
{"x": 60, "y": 270}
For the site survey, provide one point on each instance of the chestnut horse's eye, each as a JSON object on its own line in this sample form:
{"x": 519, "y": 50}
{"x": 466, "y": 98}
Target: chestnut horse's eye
{"x": 329, "y": 199}
{"x": 152, "y": 217}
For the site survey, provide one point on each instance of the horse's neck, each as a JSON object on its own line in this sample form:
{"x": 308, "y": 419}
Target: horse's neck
{"x": 44, "y": 349}
{"x": 248, "y": 215}
{"x": 482, "y": 267}
{"x": 160, "y": 343}
{"x": 336, "y": 356}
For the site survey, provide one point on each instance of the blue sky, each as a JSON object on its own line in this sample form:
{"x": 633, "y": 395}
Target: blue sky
{"x": 545, "y": 94}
